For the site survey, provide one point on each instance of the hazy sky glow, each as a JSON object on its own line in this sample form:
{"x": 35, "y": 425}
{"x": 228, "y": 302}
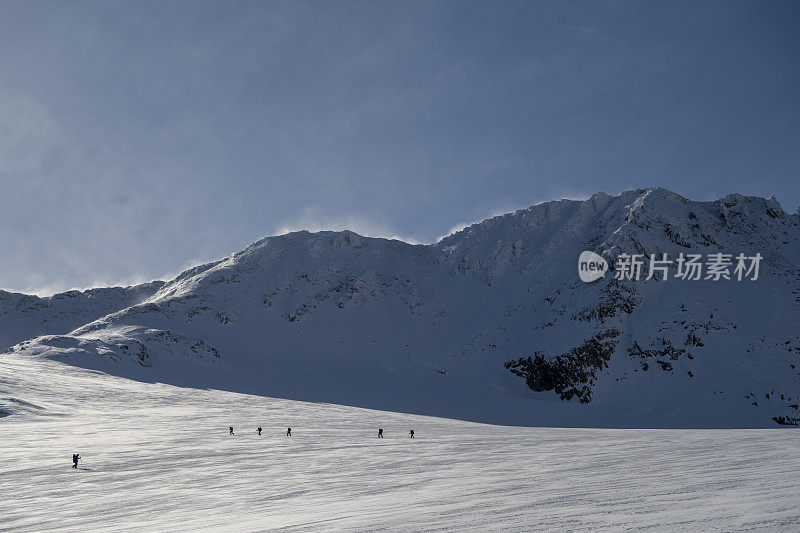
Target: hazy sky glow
{"x": 137, "y": 138}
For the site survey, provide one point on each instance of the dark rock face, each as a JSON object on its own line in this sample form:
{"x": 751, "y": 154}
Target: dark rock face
{"x": 787, "y": 420}
{"x": 616, "y": 299}
{"x": 569, "y": 374}
{"x": 663, "y": 356}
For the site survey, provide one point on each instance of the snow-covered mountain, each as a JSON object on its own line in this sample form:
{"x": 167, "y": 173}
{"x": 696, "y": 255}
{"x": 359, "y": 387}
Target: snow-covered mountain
{"x": 489, "y": 324}
{"x": 23, "y": 316}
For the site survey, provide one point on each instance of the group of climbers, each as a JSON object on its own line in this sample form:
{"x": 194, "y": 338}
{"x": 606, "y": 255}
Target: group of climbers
{"x": 289, "y": 432}
{"x": 76, "y": 457}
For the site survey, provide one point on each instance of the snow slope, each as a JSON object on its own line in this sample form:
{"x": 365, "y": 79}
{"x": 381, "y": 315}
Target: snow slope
{"x": 23, "y": 316}
{"x": 446, "y": 329}
{"x": 159, "y": 458}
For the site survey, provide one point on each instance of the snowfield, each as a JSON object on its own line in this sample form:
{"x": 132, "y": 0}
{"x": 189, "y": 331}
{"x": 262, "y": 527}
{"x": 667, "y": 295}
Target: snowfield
{"x": 159, "y": 457}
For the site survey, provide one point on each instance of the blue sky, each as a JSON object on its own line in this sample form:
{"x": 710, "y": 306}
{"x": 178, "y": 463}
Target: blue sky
{"x": 138, "y": 138}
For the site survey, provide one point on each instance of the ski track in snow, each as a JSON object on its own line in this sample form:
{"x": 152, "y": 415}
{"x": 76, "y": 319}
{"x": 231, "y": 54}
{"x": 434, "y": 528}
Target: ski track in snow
{"x": 159, "y": 457}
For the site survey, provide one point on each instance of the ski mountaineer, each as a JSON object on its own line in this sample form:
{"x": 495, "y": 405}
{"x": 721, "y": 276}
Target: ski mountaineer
{"x": 288, "y": 432}
{"x": 380, "y": 433}
{"x": 75, "y": 458}
{"x": 411, "y": 434}
{"x": 259, "y": 431}
{"x": 231, "y": 429}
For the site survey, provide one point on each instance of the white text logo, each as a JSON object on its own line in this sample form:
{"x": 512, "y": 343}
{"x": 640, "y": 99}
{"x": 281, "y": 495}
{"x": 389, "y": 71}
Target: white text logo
{"x": 691, "y": 267}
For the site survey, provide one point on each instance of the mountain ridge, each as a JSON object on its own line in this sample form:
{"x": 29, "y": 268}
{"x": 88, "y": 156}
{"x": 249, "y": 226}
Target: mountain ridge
{"x": 489, "y": 323}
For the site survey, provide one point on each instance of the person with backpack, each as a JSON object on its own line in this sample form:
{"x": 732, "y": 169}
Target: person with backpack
{"x": 380, "y": 433}
{"x": 75, "y": 458}
{"x": 259, "y": 431}
{"x": 411, "y": 434}
{"x": 288, "y": 432}
{"x": 231, "y": 430}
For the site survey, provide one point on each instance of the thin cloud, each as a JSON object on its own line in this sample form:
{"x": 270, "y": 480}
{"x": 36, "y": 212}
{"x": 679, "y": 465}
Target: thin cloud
{"x": 27, "y": 134}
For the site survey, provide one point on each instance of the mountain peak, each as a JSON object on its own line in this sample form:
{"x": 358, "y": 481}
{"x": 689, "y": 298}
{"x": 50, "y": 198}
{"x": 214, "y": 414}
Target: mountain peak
{"x": 491, "y": 323}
